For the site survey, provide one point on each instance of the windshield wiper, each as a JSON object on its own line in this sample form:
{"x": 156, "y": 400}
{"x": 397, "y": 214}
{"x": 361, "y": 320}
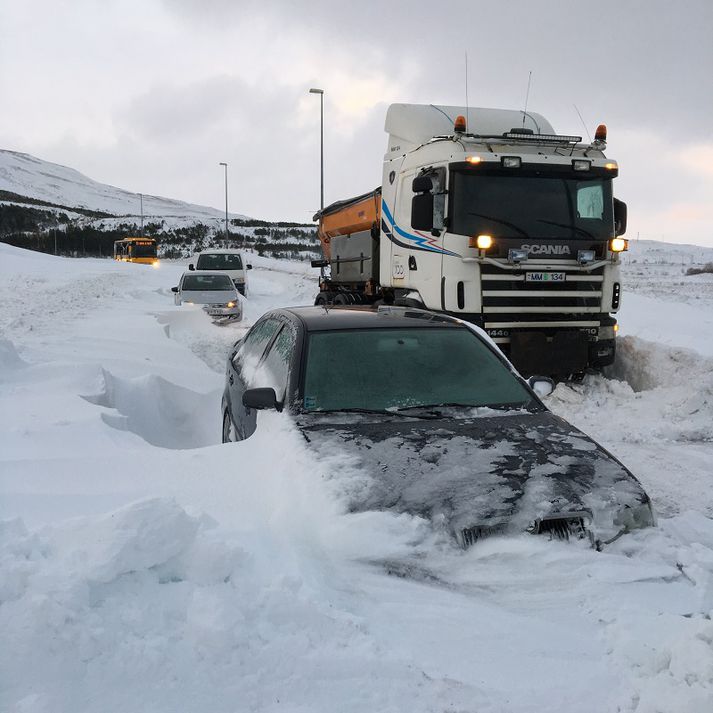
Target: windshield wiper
{"x": 497, "y": 407}
{"x": 564, "y": 225}
{"x": 498, "y": 220}
{"x": 380, "y": 412}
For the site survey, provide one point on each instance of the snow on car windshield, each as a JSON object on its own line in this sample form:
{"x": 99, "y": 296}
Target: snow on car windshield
{"x": 387, "y": 368}
{"x": 206, "y": 282}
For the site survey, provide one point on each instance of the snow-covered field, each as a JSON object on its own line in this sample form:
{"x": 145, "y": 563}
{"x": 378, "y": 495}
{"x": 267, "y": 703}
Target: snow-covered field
{"x": 144, "y": 566}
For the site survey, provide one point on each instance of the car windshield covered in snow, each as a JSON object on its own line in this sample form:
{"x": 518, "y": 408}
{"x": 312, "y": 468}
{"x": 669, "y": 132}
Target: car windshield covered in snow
{"x": 405, "y": 368}
{"x": 219, "y": 261}
{"x": 206, "y": 282}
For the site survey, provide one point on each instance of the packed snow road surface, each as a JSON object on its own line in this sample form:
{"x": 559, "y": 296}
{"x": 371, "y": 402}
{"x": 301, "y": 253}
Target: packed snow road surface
{"x": 145, "y": 566}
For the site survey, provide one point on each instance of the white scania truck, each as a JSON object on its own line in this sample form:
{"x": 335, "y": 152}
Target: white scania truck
{"x": 490, "y": 216}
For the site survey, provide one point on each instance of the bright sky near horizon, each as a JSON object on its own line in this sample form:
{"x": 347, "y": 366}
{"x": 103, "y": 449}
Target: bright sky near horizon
{"x": 150, "y": 95}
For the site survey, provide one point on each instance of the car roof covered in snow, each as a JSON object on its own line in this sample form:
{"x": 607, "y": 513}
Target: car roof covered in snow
{"x": 321, "y": 318}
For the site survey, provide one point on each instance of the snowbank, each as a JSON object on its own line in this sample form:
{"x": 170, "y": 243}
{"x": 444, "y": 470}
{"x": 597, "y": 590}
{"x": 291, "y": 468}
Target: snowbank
{"x": 148, "y": 567}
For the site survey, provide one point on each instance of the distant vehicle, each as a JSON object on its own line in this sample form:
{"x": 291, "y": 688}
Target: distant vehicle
{"x": 228, "y": 261}
{"x": 435, "y": 418}
{"x": 141, "y": 250}
{"x": 214, "y": 290}
{"x": 490, "y": 216}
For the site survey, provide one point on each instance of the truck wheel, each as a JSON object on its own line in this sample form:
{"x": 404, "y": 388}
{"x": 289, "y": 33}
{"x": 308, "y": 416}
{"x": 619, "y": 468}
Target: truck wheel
{"x": 342, "y": 298}
{"x": 321, "y": 299}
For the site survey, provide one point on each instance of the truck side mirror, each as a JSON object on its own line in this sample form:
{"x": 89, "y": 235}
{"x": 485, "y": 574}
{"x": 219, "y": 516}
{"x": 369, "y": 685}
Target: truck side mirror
{"x": 190, "y": 266}
{"x": 174, "y": 289}
{"x": 422, "y": 203}
{"x": 422, "y": 211}
{"x": 422, "y": 184}
{"x": 619, "y": 217}
{"x": 249, "y": 266}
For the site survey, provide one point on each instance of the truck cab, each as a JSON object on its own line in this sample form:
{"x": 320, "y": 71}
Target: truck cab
{"x": 490, "y": 215}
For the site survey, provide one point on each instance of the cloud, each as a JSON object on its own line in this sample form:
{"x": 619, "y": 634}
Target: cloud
{"x": 151, "y": 94}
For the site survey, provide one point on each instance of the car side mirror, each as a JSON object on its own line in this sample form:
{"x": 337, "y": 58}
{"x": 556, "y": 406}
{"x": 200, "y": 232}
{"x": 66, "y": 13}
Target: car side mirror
{"x": 249, "y": 266}
{"x": 191, "y": 267}
{"x": 174, "y": 289}
{"x": 543, "y": 386}
{"x": 619, "y": 217}
{"x": 260, "y": 399}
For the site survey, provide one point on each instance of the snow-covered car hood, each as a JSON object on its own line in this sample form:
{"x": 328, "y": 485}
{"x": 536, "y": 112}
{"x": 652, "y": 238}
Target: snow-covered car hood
{"x": 209, "y": 297}
{"x": 477, "y": 476}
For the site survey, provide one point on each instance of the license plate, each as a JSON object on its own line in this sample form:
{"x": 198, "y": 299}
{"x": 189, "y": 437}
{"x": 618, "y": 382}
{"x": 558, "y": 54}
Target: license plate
{"x": 545, "y": 276}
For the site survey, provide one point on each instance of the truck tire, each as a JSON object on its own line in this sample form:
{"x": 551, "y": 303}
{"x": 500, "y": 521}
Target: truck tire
{"x": 343, "y": 298}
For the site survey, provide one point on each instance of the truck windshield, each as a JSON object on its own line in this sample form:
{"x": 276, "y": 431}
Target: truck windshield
{"x": 219, "y": 261}
{"x": 531, "y": 206}
{"x": 379, "y": 369}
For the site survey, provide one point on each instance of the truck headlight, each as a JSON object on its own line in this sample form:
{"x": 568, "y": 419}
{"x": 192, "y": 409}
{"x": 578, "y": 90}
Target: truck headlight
{"x": 618, "y": 245}
{"x": 230, "y": 304}
{"x": 482, "y": 242}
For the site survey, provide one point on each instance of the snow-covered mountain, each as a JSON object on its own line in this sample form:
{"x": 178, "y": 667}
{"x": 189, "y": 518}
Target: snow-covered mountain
{"x": 53, "y": 208}
{"x": 31, "y": 177}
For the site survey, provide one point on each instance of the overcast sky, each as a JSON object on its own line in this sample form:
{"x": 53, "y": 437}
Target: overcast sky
{"x": 150, "y": 95}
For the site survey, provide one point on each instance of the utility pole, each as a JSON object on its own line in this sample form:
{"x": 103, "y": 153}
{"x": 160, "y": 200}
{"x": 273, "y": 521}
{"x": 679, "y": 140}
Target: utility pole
{"x": 321, "y": 144}
{"x": 141, "y": 198}
{"x": 225, "y": 165}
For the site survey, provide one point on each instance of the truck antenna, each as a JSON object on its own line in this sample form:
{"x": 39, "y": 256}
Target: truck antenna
{"x": 467, "y": 112}
{"x": 583, "y": 124}
{"x": 527, "y": 97}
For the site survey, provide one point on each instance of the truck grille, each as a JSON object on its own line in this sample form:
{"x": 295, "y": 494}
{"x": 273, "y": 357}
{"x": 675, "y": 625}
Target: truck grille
{"x": 510, "y": 302}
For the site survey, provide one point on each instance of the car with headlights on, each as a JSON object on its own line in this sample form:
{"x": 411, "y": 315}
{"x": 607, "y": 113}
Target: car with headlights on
{"x": 434, "y": 420}
{"x": 214, "y": 291}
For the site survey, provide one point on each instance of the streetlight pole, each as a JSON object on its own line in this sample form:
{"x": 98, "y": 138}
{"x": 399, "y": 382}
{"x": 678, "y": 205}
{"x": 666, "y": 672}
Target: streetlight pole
{"x": 321, "y": 144}
{"x": 222, "y": 163}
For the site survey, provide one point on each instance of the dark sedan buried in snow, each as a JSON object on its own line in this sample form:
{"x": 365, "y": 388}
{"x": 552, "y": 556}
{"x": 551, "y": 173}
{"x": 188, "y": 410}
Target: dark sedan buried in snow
{"x": 436, "y": 418}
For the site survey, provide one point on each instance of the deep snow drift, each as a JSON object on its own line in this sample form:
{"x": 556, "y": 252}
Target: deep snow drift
{"x": 146, "y": 566}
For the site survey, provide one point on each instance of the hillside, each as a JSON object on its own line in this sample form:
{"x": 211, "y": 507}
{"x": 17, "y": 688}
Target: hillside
{"x": 40, "y": 199}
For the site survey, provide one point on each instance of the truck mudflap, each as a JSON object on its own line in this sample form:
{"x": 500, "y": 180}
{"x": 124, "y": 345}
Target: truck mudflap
{"x": 565, "y": 353}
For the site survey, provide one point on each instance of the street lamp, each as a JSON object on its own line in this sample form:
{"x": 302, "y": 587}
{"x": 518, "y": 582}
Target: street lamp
{"x": 321, "y": 144}
{"x": 222, "y": 163}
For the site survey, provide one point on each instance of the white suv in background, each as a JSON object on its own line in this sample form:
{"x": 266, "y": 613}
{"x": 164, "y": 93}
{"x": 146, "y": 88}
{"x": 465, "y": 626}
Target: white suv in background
{"x": 226, "y": 261}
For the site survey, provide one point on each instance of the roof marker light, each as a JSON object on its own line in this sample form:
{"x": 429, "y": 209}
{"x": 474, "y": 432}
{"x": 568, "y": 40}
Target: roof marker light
{"x": 601, "y": 133}
{"x": 474, "y": 159}
{"x": 611, "y": 165}
{"x": 459, "y": 125}
{"x": 579, "y": 164}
